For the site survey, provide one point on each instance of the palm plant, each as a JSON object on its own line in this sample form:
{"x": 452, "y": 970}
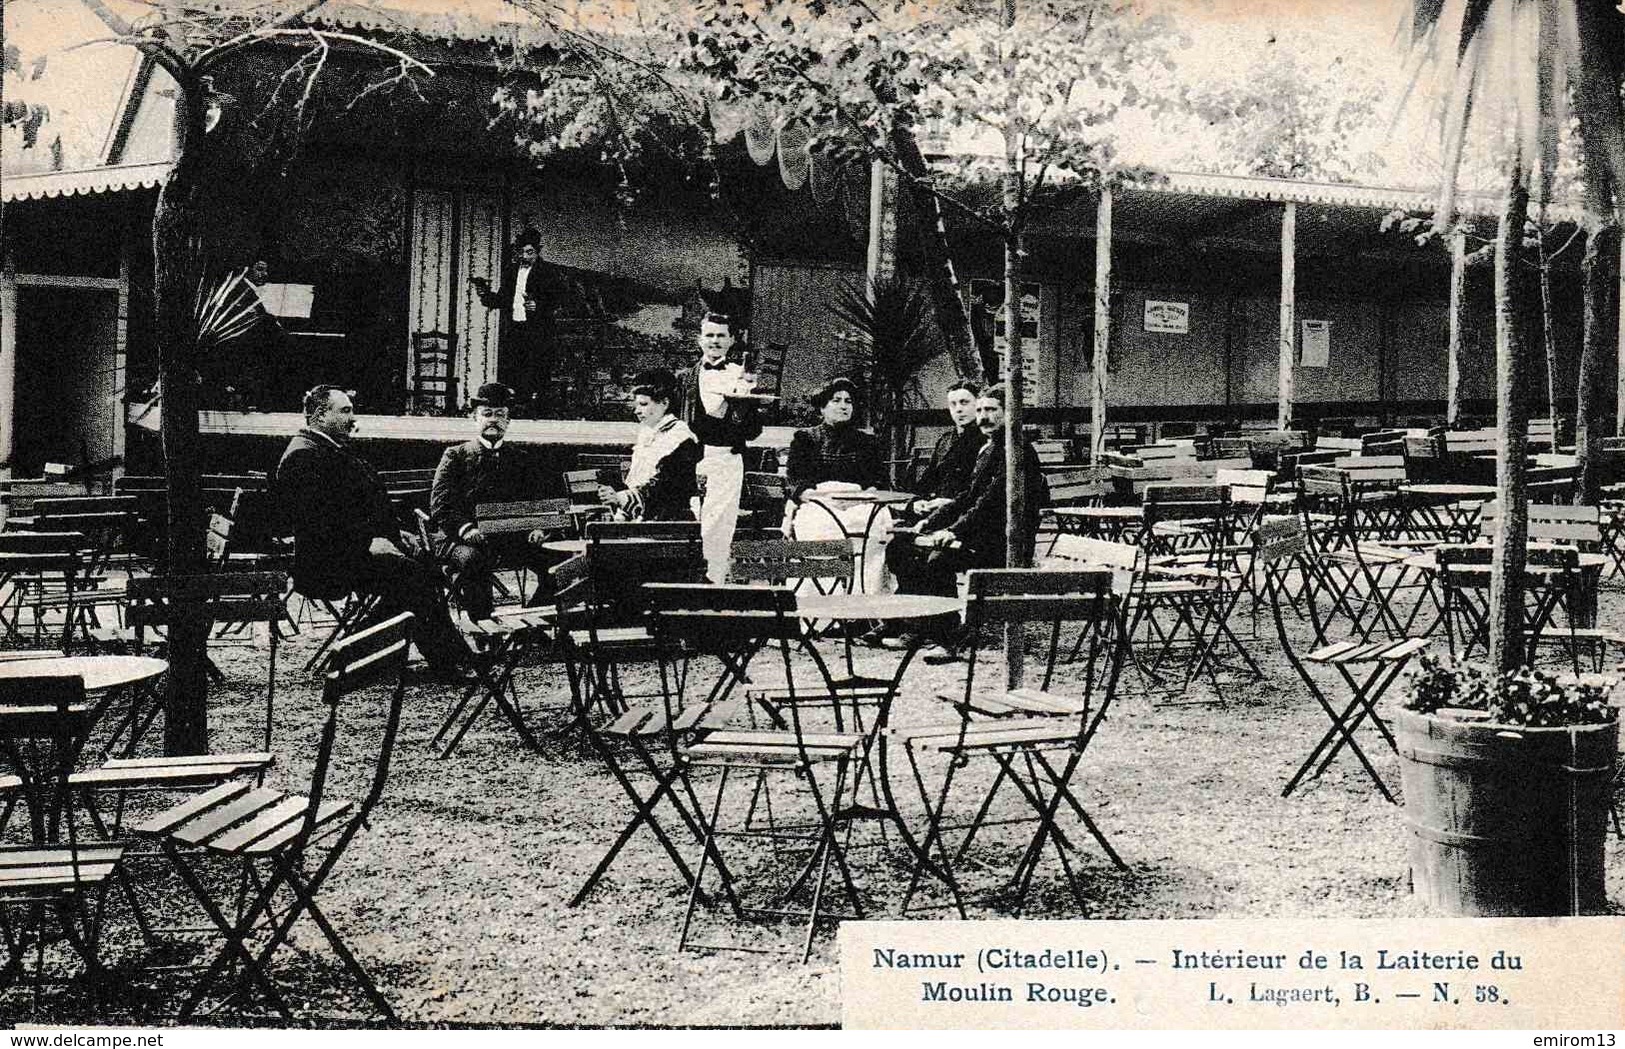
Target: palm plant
{"x": 892, "y": 321}
{"x": 1530, "y": 63}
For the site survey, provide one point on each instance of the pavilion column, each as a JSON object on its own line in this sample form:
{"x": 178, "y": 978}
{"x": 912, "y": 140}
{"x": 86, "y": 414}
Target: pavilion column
{"x": 8, "y": 368}
{"x": 1458, "y": 303}
{"x": 121, "y": 372}
{"x": 1103, "y": 325}
{"x": 882, "y": 256}
{"x": 1289, "y": 308}
{"x": 1619, "y": 403}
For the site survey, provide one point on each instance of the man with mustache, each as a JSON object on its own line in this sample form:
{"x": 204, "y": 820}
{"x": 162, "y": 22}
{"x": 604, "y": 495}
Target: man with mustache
{"x": 345, "y": 536}
{"x": 483, "y": 470}
{"x": 969, "y": 530}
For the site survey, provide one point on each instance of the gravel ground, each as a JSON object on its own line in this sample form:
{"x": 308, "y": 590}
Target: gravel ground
{"x": 457, "y": 897}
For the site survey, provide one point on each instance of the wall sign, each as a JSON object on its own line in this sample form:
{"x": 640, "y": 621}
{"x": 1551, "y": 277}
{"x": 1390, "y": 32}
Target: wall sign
{"x": 1317, "y": 344}
{"x": 1171, "y": 317}
{"x": 987, "y": 299}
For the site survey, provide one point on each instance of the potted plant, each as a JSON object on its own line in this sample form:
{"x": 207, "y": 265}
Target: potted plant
{"x": 1508, "y": 784}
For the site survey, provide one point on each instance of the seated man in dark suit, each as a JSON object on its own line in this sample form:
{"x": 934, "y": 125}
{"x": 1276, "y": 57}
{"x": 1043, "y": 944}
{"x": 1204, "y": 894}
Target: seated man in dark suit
{"x": 345, "y": 536}
{"x": 483, "y": 470}
{"x": 969, "y": 531}
{"x": 953, "y": 457}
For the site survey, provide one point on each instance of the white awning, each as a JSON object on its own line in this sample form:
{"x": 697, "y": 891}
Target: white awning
{"x": 109, "y": 179}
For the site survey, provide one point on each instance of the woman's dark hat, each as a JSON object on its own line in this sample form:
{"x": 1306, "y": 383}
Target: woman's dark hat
{"x": 831, "y": 388}
{"x": 493, "y": 395}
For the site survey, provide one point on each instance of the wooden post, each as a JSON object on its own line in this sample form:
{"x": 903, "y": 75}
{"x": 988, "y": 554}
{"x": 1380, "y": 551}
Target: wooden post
{"x": 1458, "y": 304}
{"x": 8, "y": 369}
{"x": 1103, "y": 325}
{"x": 882, "y": 257}
{"x": 1289, "y": 307}
{"x": 121, "y": 373}
{"x": 1619, "y": 403}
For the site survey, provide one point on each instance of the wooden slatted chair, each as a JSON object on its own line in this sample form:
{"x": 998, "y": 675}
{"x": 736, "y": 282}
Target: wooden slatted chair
{"x": 293, "y": 841}
{"x": 41, "y": 571}
{"x": 601, "y": 608}
{"x": 829, "y": 566}
{"x": 1346, "y": 507}
{"x": 524, "y": 518}
{"x": 763, "y": 499}
{"x": 1022, "y": 729}
{"x": 1069, "y": 488}
{"x": 1366, "y": 669}
{"x": 1581, "y": 528}
{"x": 733, "y": 623}
{"x": 54, "y": 883}
{"x": 1164, "y": 611}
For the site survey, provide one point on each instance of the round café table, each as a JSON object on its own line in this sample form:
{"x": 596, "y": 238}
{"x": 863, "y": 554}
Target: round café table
{"x": 865, "y": 608}
{"x": 112, "y": 676}
{"x": 1588, "y": 564}
{"x": 1101, "y": 522}
{"x": 833, "y": 503}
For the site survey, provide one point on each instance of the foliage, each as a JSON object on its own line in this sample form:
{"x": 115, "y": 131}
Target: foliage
{"x": 893, "y": 322}
{"x": 1289, "y": 114}
{"x": 857, "y": 74}
{"x": 1522, "y": 696}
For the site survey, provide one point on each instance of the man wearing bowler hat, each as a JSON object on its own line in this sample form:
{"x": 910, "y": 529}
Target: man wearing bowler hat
{"x": 483, "y": 470}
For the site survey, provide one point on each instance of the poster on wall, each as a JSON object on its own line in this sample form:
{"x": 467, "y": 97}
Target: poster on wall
{"x": 1317, "y": 344}
{"x": 1171, "y": 317}
{"x": 987, "y": 301}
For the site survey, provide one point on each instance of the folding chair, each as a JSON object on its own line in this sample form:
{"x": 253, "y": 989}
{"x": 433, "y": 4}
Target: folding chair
{"x": 349, "y": 611}
{"x": 293, "y": 841}
{"x": 1069, "y": 488}
{"x": 1021, "y": 728}
{"x": 732, "y": 623}
{"x": 40, "y": 570}
{"x": 601, "y": 608}
{"x": 498, "y": 520}
{"x": 1187, "y": 528}
{"x": 1280, "y": 552}
{"x": 1344, "y": 516}
{"x": 644, "y": 743}
{"x": 499, "y": 645}
{"x": 43, "y": 722}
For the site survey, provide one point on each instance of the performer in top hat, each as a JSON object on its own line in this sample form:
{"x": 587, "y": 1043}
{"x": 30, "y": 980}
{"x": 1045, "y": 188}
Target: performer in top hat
{"x": 526, "y": 300}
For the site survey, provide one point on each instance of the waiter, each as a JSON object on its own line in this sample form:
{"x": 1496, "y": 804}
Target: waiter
{"x": 724, "y": 424}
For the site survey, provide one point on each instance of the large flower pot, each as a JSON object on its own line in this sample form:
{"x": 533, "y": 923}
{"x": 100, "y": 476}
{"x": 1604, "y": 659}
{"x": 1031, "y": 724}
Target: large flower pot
{"x": 1506, "y": 820}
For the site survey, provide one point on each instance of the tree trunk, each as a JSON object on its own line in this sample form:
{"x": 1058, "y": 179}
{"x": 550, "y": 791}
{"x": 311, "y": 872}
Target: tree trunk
{"x": 1512, "y": 425}
{"x": 177, "y": 260}
{"x": 1601, "y": 319}
{"x": 942, "y": 282}
{"x": 1015, "y": 493}
{"x": 1548, "y": 337}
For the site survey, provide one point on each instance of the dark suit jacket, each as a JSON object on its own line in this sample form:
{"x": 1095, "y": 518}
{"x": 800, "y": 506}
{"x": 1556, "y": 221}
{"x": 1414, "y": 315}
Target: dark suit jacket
{"x": 541, "y": 284}
{"x": 335, "y": 505}
{"x": 976, "y": 518}
{"x": 740, "y": 424}
{"x": 468, "y": 475}
{"x": 953, "y": 461}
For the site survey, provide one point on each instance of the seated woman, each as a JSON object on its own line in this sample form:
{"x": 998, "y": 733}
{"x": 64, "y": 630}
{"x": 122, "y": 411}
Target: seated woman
{"x": 660, "y": 485}
{"x": 834, "y": 457}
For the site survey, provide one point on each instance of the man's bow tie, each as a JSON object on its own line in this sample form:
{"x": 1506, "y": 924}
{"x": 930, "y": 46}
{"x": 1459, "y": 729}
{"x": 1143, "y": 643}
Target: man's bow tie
{"x": 713, "y": 367}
